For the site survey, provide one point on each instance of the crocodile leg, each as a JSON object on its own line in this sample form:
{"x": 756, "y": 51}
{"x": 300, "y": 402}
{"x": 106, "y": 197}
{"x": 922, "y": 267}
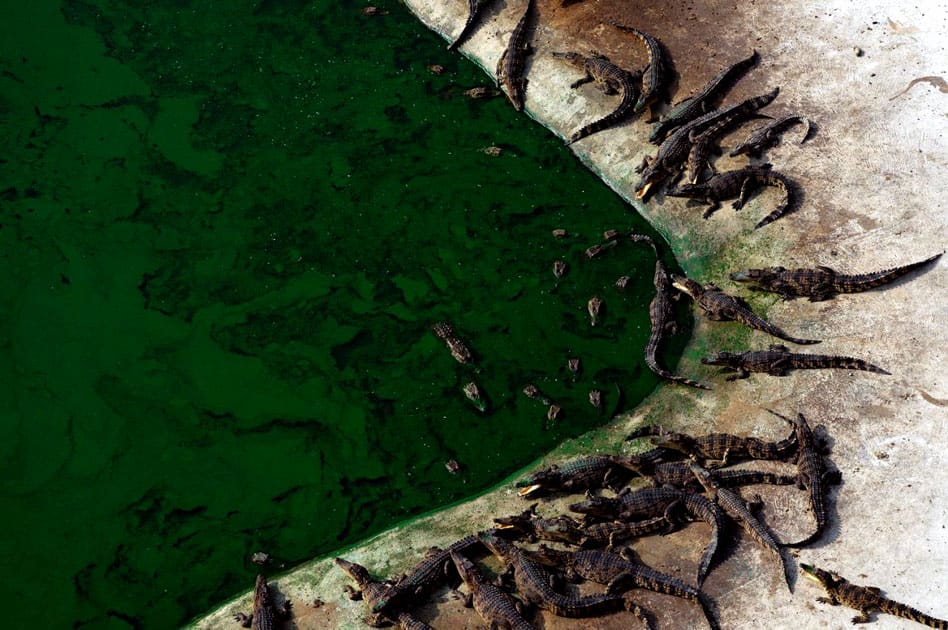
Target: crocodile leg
{"x": 715, "y": 205}
{"x": 745, "y": 193}
{"x": 586, "y": 79}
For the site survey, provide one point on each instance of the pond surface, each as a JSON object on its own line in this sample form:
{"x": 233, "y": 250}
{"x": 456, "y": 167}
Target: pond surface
{"x": 227, "y": 228}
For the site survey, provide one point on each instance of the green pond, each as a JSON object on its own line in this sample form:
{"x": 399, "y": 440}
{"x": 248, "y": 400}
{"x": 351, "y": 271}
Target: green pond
{"x": 227, "y": 228}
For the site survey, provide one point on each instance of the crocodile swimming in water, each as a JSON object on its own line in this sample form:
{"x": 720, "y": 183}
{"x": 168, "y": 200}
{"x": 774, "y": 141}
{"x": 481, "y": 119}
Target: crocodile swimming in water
{"x": 778, "y": 361}
{"x": 718, "y": 306}
{"x": 821, "y": 283}
{"x": 865, "y": 599}
{"x": 610, "y": 79}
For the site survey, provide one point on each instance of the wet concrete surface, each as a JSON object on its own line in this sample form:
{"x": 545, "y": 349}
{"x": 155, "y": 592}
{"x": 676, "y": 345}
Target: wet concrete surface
{"x": 873, "y": 184}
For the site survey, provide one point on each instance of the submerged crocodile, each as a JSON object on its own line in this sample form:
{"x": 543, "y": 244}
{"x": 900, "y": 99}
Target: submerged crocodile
{"x": 510, "y": 66}
{"x": 620, "y": 573}
{"x": 718, "y": 306}
{"x": 610, "y": 79}
{"x": 740, "y": 183}
{"x": 674, "y": 151}
{"x": 459, "y": 350}
{"x": 821, "y": 283}
{"x": 662, "y": 317}
{"x": 865, "y": 599}
{"x": 778, "y": 361}
{"x": 769, "y": 135}
{"x": 265, "y": 613}
{"x": 474, "y": 11}
{"x": 693, "y": 106}
{"x": 653, "y": 77}
{"x": 533, "y": 584}
{"x": 494, "y": 605}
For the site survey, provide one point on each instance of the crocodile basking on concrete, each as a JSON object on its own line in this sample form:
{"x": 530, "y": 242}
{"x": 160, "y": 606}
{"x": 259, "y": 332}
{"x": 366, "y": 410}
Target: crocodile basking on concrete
{"x": 265, "y": 613}
{"x": 701, "y": 508}
{"x": 528, "y": 524}
{"x": 662, "y": 317}
{"x": 738, "y": 510}
{"x": 510, "y": 66}
{"x": 534, "y": 584}
{"x": 611, "y": 533}
{"x": 718, "y": 306}
{"x": 474, "y": 11}
{"x": 740, "y": 183}
{"x": 778, "y": 361}
{"x": 584, "y": 473}
{"x": 494, "y": 605}
{"x": 610, "y": 79}
{"x": 769, "y": 135}
{"x": 674, "y": 151}
{"x": 865, "y": 599}
{"x": 679, "y": 475}
{"x": 718, "y": 446}
{"x": 653, "y": 77}
{"x": 690, "y": 108}
{"x": 821, "y": 283}
{"x": 631, "y": 504}
{"x": 371, "y": 591}
{"x": 620, "y": 573}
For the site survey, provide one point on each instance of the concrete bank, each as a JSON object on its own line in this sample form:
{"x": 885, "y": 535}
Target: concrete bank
{"x": 871, "y": 76}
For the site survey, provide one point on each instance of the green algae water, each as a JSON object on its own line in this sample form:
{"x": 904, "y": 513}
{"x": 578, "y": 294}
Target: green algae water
{"x": 227, "y": 227}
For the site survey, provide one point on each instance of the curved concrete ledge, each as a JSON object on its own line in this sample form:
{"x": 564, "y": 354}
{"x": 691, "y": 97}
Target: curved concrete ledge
{"x": 874, "y": 184}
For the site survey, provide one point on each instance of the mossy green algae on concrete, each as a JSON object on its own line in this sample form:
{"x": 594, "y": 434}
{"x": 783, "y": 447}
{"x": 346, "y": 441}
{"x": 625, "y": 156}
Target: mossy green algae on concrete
{"x": 227, "y": 227}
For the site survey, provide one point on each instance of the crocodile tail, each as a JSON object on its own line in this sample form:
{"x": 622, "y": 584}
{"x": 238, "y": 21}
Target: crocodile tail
{"x": 655, "y": 367}
{"x": 843, "y": 363}
{"x": 866, "y": 281}
{"x": 779, "y": 181}
{"x": 763, "y": 325}
{"x": 625, "y": 106}
{"x": 907, "y": 612}
{"x": 474, "y": 7}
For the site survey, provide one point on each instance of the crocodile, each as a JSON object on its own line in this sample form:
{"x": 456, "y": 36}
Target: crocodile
{"x": 595, "y": 306}
{"x": 821, "y": 283}
{"x": 865, "y": 599}
{"x": 703, "y": 145}
{"x": 719, "y": 446}
{"x": 422, "y": 578}
{"x": 265, "y": 612}
{"x": 534, "y": 583}
{"x": 769, "y": 135}
{"x": 630, "y": 504}
{"x": 662, "y": 318}
{"x": 679, "y": 475}
{"x": 593, "y": 471}
{"x": 495, "y": 606}
{"x": 693, "y": 106}
{"x": 703, "y": 509}
{"x": 718, "y": 306}
{"x": 610, "y": 79}
{"x": 474, "y": 10}
{"x": 654, "y": 75}
{"x": 459, "y": 350}
{"x": 610, "y": 533}
{"x": 740, "y": 184}
{"x": 674, "y": 151}
{"x": 510, "y": 66}
{"x": 812, "y": 475}
{"x": 528, "y": 524}
{"x": 620, "y": 572}
{"x": 738, "y": 510}
{"x": 476, "y": 395}
{"x": 777, "y": 360}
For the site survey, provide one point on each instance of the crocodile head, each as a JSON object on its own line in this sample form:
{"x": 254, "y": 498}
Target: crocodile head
{"x": 687, "y": 286}
{"x": 675, "y": 441}
{"x": 540, "y": 480}
{"x": 827, "y": 579}
{"x": 596, "y": 506}
{"x": 688, "y": 190}
{"x": 522, "y": 522}
{"x": 726, "y": 359}
{"x": 756, "y": 276}
{"x": 573, "y": 58}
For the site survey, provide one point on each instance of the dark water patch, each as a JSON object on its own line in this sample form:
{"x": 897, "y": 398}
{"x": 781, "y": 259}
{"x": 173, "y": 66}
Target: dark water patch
{"x": 227, "y": 230}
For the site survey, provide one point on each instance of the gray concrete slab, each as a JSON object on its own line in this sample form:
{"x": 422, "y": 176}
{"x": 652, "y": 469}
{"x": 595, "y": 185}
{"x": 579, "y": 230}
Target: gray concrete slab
{"x": 874, "y": 183}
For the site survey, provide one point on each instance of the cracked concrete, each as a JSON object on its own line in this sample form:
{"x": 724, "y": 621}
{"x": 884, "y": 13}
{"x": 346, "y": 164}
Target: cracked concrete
{"x": 871, "y": 75}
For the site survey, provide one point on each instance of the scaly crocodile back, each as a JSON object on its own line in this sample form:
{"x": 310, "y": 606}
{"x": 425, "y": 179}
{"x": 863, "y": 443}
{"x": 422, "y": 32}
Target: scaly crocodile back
{"x": 866, "y": 281}
{"x": 810, "y": 361}
{"x": 865, "y": 600}
{"x": 604, "y": 70}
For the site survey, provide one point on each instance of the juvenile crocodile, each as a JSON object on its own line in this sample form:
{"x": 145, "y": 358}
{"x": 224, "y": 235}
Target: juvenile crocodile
{"x": 865, "y": 599}
{"x": 740, "y": 183}
{"x": 653, "y": 77}
{"x": 459, "y": 350}
{"x": 631, "y": 504}
{"x": 421, "y": 579}
{"x": 609, "y": 79}
{"x": 620, "y": 573}
{"x": 679, "y": 475}
{"x": 510, "y": 66}
{"x": 495, "y": 606}
{"x": 474, "y": 10}
{"x": 737, "y": 509}
{"x": 704, "y": 143}
{"x": 533, "y": 584}
{"x": 611, "y": 533}
{"x": 769, "y": 135}
{"x": 265, "y": 612}
{"x": 530, "y": 525}
{"x": 662, "y": 318}
{"x": 371, "y": 591}
{"x": 693, "y": 106}
{"x": 674, "y": 151}
{"x": 778, "y": 361}
{"x": 719, "y": 446}
{"x": 812, "y": 475}
{"x": 821, "y": 283}
{"x": 718, "y": 306}
{"x": 593, "y": 471}
{"x": 703, "y": 509}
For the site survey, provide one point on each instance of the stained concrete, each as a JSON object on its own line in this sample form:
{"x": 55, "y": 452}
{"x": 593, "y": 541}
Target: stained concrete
{"x": 871, "y": 75}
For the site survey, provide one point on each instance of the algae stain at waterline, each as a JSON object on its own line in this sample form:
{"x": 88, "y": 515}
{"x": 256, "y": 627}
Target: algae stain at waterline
{"x": 227, "y": 228}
